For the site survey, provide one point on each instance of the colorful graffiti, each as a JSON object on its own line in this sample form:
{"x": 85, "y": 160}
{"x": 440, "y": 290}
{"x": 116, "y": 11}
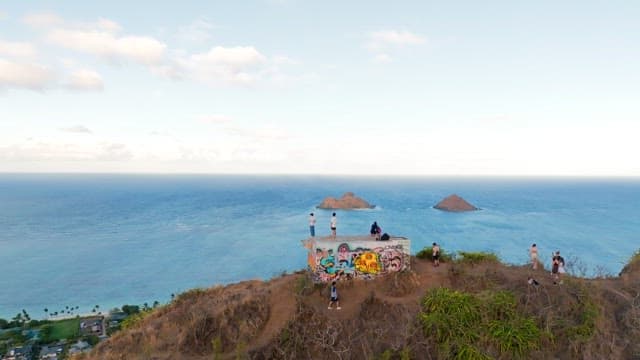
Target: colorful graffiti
{"x": 355, "y": 259}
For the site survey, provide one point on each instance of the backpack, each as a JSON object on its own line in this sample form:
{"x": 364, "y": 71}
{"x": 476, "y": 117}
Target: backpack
{"x": 384, "y": 237}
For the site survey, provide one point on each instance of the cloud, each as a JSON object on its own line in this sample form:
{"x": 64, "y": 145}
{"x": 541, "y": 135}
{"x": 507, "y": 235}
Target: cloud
{"x": 25, "y": 75}
{"x": 42, "y": 20}
{"x": 215, "y": 119}
{"x": 77, "y": 129}
{"x": 382, "y": 59}
{"x": 114, "y": 152}
{"x": 231, "y": 65}
{"x": 198, "y": 32}
{"x": 16, "y": 49}
{"x": 85, "y": 80}
{"x": 379, "y": 40}
{"x": 384, "y": 41}
{"x": 140, "y": 49}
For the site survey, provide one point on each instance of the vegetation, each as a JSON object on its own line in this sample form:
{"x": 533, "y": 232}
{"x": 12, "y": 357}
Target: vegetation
{"x": 477, "y": 257}
{"x": 427, "y": 254}
{"x": 466, "y": 326}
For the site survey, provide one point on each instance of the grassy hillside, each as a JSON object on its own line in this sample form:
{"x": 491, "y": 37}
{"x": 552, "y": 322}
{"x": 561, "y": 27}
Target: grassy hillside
{"x": 476, "y": 308}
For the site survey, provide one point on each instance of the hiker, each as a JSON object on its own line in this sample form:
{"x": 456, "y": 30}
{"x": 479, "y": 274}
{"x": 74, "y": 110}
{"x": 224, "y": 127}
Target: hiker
{"x": 312, "y": 224}
{"x": 375, "y": 230}
{"x": 334, "y": 224}
{"x": 533, "y": 253}
{"x": 334, "y": 297}
{"x": 557, "y": 267}
{"x": 436, "y": 254}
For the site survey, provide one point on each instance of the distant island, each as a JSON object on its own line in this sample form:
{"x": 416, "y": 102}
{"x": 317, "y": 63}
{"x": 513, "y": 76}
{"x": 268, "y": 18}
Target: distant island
{"x": 455, "y": 203}
{"x": 348, "y": 201}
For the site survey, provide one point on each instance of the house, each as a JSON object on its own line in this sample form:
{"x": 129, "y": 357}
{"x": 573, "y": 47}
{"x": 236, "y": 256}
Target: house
{"x": 19, "y": 353}
{"x": 92, "y": 326}
{"x": 51, "y": 352}
{"x": 79, "y": 347}
{"x": 116, "y": 318}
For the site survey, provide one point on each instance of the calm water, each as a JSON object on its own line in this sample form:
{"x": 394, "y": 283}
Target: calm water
{"x": 82, "y": 240}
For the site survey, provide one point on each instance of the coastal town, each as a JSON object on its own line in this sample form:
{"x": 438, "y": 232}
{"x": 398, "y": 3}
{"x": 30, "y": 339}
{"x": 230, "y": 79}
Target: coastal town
{"x": 63, "y": 334}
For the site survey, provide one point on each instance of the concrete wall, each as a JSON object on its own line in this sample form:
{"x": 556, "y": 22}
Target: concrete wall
{"x": 356, "y": 257}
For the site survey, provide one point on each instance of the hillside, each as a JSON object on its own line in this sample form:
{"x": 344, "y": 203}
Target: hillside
{"x": 473, "y": 308}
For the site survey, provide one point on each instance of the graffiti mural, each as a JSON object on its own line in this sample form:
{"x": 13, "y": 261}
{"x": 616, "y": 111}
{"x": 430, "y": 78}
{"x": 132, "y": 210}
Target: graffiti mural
{"x": 330, "y": 260}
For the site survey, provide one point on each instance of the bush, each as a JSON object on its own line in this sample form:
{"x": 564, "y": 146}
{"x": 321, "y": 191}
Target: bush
{"x": 633, "y": 264}
{"x": 427, "y": 254}
{"x": 467, "y": 327}
{"x": 477, "y": 257}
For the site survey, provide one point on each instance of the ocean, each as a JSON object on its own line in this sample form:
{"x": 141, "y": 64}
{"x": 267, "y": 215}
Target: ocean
{"x": 109, "y": 240}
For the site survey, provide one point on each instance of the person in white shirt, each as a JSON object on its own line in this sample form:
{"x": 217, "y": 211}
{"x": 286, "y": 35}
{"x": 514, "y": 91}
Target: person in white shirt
{"x": 334, "y": 224}
{"x": 312, "y": 224}
{"x": 533, "y": 253}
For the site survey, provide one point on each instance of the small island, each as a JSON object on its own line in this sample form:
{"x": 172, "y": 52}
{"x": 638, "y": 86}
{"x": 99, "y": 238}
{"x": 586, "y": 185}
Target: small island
{"x": 455, "y": 203}
{"x": 348, "y": 201}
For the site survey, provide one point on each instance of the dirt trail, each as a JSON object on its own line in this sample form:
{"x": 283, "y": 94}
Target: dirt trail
{"x": 352, "y": 295}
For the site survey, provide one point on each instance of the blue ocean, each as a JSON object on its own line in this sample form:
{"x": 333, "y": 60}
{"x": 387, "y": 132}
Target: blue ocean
{"x": 109, "y": 240}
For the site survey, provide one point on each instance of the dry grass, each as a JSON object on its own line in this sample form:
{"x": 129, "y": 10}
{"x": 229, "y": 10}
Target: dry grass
{"x": 287, "y": 318}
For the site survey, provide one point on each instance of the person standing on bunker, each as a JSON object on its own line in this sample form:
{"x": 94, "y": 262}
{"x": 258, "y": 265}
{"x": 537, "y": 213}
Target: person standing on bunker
{"x": 334, "y": 224}
{"x": 312, "y": 224}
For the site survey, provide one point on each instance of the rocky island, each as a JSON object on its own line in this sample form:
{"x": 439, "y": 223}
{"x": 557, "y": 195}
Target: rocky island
{"x": 348, "y": 201}
{"x": 455, "y": 203}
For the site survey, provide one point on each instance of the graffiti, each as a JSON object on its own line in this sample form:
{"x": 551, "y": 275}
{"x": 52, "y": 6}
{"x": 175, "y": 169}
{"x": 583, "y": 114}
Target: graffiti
{"x": 355, "y": 259}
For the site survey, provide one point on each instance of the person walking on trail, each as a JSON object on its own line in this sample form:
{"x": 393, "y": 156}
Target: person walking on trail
{"x": 312, "y": 224}
{"x": 533, "y": 253}
{"x": 334, "y": 297}
{"x": 435, "y": 254}
{"x": 557, "y": 267}
{"x": 334, "y": 224}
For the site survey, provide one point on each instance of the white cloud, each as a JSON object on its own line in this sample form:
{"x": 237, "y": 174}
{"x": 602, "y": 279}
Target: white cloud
{"x": 384, "y": 41}
{"x": 198, "y": 32}
{"x": 42, "y": 20}
{"x": 379, "y": 40}
{"x": 215, "y": 119}
{"x": 382, "y": 59}
{"x": 17, "y": 49}
{"x": 114, "y": 152}
{"x": 77, "y": 129}
{"x": 232, "y": 65}
{"x": 85, "y": 80}
{"x": 25, "y": 75}
{"x": 141, "y": 49}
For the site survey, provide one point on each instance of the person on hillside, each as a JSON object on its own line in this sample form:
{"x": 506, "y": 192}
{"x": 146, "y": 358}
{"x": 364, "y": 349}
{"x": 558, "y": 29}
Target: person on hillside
{"x": 435, "y": 254}
{"x": 334, "y": 225}
{"x": 375, "y": 230}
{"x": 334, "y": 297}
{"x": 533, "y": 253}
{"x": 557, "y": 267}
{"x": 312, "y": 224}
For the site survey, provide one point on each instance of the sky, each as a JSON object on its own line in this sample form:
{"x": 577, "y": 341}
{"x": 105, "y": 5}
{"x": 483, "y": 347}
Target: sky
{"x": 321, "y": 87}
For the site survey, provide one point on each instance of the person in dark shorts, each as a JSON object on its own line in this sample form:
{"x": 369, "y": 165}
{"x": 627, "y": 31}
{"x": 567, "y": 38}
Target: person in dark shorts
{"x": 557, "y": 267}
{"x": 334, "y": 297}
{"x": 435, "y": 254}
{"x": 334, "y": 225}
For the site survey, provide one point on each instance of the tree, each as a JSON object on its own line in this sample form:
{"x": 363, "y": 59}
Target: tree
{"x": 4, "y": 324}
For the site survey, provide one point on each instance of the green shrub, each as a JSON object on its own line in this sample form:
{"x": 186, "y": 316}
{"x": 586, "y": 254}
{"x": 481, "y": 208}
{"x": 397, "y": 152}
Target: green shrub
{"x": 464, "y": 325}
{"x": 427, "y": 254}
{"x": 477, "y": 257}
